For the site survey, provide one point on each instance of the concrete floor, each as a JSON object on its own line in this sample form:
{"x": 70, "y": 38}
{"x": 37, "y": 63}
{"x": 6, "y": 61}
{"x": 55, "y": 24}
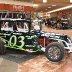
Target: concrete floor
{"x": 26, "y": 63}
{"x": 41, "y": 63}
{"x": 8, "y": 66}
{"x": 12, "y": 59}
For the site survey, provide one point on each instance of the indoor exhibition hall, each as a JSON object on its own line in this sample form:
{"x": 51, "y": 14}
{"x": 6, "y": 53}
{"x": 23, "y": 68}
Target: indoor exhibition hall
{"x": 35, "y": 35}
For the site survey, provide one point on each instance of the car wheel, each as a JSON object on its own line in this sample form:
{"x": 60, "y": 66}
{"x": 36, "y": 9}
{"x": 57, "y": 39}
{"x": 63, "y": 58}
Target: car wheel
{"x": 2, "y": 47}
{"x": 54, "y": 52}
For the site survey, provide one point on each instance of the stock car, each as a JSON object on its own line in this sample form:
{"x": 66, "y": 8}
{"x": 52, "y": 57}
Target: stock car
{"x": 19, "y": 34}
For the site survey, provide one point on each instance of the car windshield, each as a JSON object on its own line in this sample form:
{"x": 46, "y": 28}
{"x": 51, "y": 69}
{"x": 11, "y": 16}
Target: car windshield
{"x": 14, "y": 26}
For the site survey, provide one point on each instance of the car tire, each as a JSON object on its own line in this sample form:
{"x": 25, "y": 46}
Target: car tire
{"x": 50, "y": 52}
{"x": 2, "y": 47}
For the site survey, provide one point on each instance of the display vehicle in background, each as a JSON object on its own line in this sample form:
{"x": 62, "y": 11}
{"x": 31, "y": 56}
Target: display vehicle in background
{"x": 19, "y": 34}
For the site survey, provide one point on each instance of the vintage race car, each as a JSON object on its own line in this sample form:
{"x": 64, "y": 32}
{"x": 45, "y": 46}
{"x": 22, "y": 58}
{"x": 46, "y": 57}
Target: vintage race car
{"x": 19, "y": 34}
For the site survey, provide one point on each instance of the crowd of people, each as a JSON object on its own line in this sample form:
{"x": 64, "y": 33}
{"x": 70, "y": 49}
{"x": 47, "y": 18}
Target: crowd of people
{"x": 56, "y": 23}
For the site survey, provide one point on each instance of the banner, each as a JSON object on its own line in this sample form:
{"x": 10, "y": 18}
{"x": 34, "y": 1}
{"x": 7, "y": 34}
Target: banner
{"x": 9, "y": 7}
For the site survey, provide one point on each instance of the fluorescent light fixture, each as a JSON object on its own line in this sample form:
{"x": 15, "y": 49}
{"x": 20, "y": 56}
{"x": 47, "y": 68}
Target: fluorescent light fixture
{"x": 53, "y": 5}
{"x": 49, "y": 7}
{"x": 49, "y": 15}
{"x": 44, "y": 1}
{"x": 70, "y": 1}
{"x": 63, "y": 8}
{"x": 35, "y": 5}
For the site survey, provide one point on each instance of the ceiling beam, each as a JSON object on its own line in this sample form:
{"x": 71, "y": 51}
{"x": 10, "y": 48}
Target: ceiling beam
{"x": 15, "y": 2}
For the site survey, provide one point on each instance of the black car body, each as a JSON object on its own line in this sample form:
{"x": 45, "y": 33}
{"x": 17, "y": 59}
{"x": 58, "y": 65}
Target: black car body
{"x": 19, "y": 34}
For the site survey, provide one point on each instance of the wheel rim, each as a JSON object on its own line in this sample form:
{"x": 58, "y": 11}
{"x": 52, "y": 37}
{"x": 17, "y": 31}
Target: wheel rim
{"x": 54, "y": 52}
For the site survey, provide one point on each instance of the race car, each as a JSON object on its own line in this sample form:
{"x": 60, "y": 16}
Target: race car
{"x": 19, "y": 34}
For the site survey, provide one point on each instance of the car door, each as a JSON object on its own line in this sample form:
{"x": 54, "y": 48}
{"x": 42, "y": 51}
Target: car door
{"x": 17, "y": 37}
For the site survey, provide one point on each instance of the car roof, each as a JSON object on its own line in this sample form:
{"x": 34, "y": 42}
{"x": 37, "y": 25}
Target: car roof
{"x": 15, "y": 20}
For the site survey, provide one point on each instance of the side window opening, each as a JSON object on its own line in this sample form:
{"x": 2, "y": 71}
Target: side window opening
{"x": 6, "y": 26}
{"x": 15, "y": 26}
{"x": 22, "y": 27}
{"x": 26, "y": 27}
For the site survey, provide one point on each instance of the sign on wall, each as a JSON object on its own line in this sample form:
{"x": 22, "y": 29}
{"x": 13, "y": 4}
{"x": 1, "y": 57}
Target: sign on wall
{"x": 20, "y": 8}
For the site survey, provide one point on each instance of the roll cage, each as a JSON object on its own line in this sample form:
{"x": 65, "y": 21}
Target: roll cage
{"x": 9, "y": 24}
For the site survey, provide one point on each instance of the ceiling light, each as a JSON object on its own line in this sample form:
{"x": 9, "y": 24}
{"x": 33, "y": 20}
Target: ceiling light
{"x": 53, "y": 5}
{"x": 70, "y": 1}
{"x": 35, "y": 5}
{"x": 45, "y": 9}
{"x": 41, "y": 11}
{"x": 44, "y": 1}
{"x": 63, "y": 8}
{"x": 49, "y": 7}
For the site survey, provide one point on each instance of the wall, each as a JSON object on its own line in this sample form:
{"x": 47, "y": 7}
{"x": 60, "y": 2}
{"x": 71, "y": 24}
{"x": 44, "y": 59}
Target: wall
{"x": 12, "y": 7}
{"x": 68, "y": 14}
{"x": 53, "y": 14}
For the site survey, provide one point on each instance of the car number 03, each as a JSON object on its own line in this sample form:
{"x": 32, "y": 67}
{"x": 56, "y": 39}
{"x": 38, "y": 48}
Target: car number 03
{"x": 15, "y": 41}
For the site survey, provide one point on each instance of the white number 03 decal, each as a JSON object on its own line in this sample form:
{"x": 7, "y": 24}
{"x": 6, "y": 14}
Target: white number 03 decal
{"x": 13, "y": 41}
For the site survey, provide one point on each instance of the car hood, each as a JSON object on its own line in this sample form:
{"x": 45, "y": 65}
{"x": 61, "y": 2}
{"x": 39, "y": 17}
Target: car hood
{"x": 53, "y": 35}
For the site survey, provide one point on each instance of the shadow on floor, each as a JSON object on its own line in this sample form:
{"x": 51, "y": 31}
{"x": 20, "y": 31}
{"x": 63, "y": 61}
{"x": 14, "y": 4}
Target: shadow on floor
{"x": 19, "y": 56}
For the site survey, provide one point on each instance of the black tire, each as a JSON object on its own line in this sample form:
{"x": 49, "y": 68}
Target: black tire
{"x": 54, "y": 57}
{"x": 2, "y": 47}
